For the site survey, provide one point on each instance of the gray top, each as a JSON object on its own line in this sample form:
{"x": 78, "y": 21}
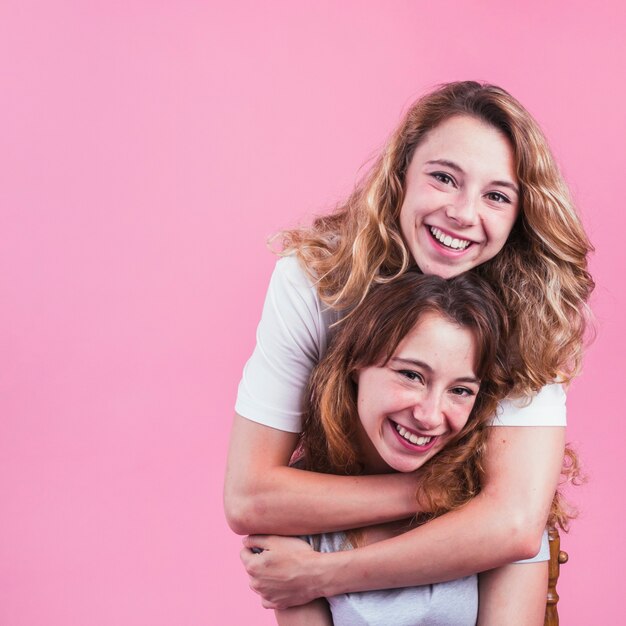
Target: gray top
{"x": 453, "y": 603}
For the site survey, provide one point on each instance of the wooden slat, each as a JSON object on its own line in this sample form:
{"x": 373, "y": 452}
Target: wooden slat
{"x": 557, "y": 557}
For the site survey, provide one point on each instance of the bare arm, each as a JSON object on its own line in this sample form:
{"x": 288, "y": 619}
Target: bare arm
{"x": 508, "y": 517}
{"x": 514, "y": 594}
{"x": 316, "y": 613}
{"x": 263, "y": 495}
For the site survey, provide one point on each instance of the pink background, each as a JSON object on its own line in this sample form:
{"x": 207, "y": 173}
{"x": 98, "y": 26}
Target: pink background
{"x": 147, "y": 151}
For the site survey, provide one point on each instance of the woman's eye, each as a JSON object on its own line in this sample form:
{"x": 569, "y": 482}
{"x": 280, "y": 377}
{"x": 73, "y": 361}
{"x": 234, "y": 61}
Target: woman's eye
{"x": 463, "y": 391}
{"x": 444, "y": 178}
{"x": 411, "y": 375}
{"x": 496, "y": 196}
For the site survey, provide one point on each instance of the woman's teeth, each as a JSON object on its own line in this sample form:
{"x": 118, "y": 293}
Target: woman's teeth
{"x": 414, "y": 439}
{"x": 446, "y": 240}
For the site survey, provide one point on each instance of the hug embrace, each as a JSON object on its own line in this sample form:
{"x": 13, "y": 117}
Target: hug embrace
{"x": 401, "y": 423}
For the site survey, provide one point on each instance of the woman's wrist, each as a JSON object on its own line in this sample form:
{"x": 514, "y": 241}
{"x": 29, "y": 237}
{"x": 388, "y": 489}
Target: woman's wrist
{"x": 411, "y": 481}
{"x": 332, "y": 573}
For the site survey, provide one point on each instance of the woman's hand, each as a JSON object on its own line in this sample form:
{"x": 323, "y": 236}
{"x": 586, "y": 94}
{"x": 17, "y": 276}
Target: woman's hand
{"x": 282, "y": 573}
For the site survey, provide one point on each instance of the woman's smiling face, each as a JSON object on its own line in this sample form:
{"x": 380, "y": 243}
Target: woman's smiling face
{"x": 461, "y": 197}
{"x": 412, "y": 406}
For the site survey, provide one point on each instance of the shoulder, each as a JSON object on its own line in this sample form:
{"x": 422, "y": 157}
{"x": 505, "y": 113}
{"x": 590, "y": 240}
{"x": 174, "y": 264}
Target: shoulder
{"x": 546, "y": 408}
{"x": 291, "y": 338}
{"x": 293, "y": 296}
{"x": 289, "y": 271}
{"x": 291, "y": 287}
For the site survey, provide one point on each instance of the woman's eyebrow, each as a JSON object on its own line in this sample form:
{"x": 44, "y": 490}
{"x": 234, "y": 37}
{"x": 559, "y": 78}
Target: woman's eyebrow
{"x": 457, "y": 168}
{"x": 506, "y": 183}
{"x": 468, "y": 379}
{"x": 400, "y": 360}
{"x": 451, "y": 164}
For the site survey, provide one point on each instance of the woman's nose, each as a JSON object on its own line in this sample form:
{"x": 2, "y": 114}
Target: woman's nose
{"x": 463, "y": 210}
{"x": 428, "y": 412}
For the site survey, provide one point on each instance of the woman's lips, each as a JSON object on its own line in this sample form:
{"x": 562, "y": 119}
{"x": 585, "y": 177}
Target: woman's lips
{"x": 411, "y": 440}
{"x": 448, "y": 242}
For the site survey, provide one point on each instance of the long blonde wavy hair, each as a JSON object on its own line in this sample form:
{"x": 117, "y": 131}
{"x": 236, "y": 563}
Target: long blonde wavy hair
{"x": 541, "y": 273}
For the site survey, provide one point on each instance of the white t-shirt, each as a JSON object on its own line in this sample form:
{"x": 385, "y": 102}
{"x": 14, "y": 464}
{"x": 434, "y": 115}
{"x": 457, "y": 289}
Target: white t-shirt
{"x": 293, "y": 336}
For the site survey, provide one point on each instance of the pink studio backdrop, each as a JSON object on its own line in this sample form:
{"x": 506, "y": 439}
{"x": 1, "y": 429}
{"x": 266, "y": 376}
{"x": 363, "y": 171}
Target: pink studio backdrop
{"x": 148, "y": 150}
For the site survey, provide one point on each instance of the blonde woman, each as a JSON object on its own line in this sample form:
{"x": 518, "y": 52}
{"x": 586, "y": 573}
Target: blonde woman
{"x": 466, "y": 182}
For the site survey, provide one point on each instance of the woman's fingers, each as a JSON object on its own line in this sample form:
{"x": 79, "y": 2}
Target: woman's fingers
{"x": 279, "y": 573}
{"x": 256, "y": 541}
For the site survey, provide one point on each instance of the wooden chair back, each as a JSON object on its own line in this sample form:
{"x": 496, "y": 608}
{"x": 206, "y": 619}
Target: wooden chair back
{"x": 557, "y": 558}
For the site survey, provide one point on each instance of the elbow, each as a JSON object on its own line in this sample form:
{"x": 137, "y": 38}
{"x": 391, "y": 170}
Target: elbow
{"x": 237, "y": 508}
{"x": 237, "y": 515}
{"x": 524, "y": 535}
{"x": 242, "y": 512}
{"x": 525, "y": 544}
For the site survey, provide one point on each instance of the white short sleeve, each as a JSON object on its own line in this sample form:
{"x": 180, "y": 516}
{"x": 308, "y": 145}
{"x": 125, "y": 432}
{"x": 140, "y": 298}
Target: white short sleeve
{"x": 291, "y": 339}
{"x": 547, "y": 408}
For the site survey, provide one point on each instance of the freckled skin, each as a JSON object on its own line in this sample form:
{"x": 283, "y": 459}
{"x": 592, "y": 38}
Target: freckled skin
{"x": 477, "y": 202}
{"x": 428, "y": 387}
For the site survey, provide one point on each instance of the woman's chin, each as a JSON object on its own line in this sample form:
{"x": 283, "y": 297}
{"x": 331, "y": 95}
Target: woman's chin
{"x": 404, "y": 465}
